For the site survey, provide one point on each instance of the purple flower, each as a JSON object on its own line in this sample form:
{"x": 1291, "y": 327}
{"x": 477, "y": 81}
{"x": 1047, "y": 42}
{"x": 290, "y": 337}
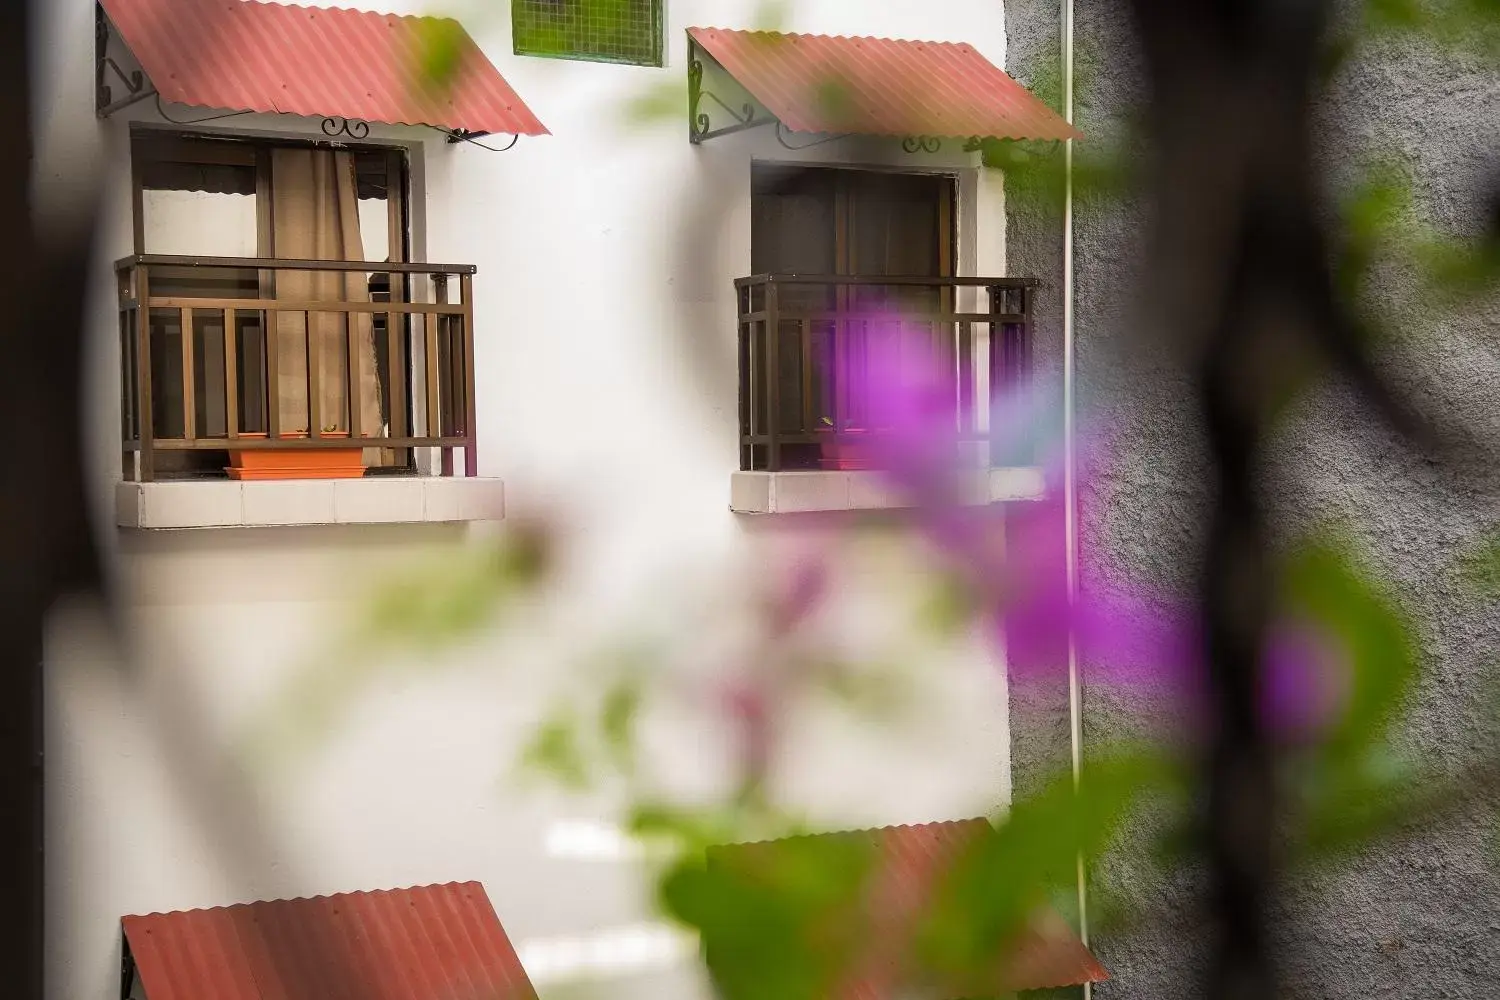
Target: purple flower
{"x": 1125, "y": 634}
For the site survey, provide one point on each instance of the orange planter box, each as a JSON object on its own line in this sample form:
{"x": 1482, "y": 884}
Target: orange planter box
{"x": 296, "y": 463}
{"x": 846, "y": 451}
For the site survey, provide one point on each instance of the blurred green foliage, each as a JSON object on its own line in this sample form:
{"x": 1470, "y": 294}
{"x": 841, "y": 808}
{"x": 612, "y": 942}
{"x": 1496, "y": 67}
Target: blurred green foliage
{"x": 1464, "y": 25}
{"x": 1481, "y": 568}
{"x": 1026, "y": 858}
{"x": 1351, "y": 783}
{"x": 778, "y": 921}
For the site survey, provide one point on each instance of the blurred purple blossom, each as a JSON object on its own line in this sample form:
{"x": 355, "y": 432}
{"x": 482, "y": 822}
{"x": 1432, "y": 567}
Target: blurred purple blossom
{"x": 1014, "y": 559}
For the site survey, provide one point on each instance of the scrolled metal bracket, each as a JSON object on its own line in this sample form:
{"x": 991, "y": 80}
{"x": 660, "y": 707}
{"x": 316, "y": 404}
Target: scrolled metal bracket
{"x": 781, "y": 136}
{"x": 922, "y": 144}
{"x": 352, "y": 127}
{"x": 699, "y": 122}
{"x": 136, "y": 88}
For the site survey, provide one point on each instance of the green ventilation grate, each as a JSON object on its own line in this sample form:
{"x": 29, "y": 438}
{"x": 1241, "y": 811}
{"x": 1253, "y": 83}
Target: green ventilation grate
{"x": 621, "y": 31}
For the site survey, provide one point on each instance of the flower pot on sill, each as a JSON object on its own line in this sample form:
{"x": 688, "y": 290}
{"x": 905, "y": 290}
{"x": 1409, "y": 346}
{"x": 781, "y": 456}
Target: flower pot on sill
{"x": 846, "y": 451}
{"x": 296, "y": 463}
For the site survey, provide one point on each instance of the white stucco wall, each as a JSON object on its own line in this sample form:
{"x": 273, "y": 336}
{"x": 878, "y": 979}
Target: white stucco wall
{"x": 605, "y": 324}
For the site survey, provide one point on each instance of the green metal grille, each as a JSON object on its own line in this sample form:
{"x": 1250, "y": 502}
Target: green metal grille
{"x": 621, "y": 31}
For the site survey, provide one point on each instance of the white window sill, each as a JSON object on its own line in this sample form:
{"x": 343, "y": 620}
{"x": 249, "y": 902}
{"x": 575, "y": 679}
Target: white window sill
{"x": 806, "y": 492}
{"x": 384, "y": 500}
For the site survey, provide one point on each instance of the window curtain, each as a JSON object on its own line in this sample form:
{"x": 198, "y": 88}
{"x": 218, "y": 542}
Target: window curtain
{"x": 315, "y": 216}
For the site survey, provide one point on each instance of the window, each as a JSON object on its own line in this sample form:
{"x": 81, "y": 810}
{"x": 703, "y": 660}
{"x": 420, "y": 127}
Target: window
{"x": 619, "y": 31}
{"x": 221, "y": 211}
{"x": 813, "y": 221}
{"x": 848, "y": 263}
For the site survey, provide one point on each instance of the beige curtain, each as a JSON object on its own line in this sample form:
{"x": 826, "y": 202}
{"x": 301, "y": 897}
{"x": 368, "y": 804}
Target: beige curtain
{"x": 315, "y": 216}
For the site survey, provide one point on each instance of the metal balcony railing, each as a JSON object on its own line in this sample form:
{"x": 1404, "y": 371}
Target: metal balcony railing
{"x": 804, "y": 341}
{"x": 240, "y": 354}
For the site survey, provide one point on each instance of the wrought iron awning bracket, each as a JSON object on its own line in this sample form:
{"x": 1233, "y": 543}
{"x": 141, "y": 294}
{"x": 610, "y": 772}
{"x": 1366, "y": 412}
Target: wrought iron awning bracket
{"x": 922, "y": 144}
{"x": 461, "y": 135}
{"x": 782, "y": 131}
{"x": 699, "y": 122}
{"x": 352, "y": 127}
{"x": 136, "y": 86}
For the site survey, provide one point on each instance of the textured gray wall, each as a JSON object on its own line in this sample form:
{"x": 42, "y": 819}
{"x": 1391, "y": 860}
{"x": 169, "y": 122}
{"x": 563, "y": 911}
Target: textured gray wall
{"x": 1408, "y": 918}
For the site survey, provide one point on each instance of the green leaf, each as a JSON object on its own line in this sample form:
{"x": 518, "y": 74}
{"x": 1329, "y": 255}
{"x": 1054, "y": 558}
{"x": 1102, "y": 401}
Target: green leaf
{"x": 555, "y": 751}
{"x": 617, "y": 720}
{"x": 778, "y": 920}
{"x": 991, "y": 893}
{"x": 1351, "y": 786}
{"x": 440, "y": 48}
{"x": 1481, "y": 569}
{"x": 1322, "y": 586}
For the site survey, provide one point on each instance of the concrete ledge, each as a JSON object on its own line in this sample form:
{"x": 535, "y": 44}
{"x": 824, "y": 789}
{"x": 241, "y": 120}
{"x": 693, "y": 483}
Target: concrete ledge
{"x": 382, "y": 500}
{"x": 806, "y": 492}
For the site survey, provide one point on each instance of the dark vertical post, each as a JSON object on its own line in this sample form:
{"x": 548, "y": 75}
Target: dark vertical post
{"x": 189, "y": 388}
{"x": 804, "y": 342}
{"x": 231, "y": 378}
{"x": 430, "y": 359}
{"x": 313, "y": 342}
{"x": 773, "y": 376}
{"x": 745, "y": 296}
{"x": 144, "y": 408}
{"x": 352, "y": 321}
{"x": 471, "y": 421}
{"x": 997, "y": 368}
{"x": 128, "y": 318}
{"x": 46, "y": 539}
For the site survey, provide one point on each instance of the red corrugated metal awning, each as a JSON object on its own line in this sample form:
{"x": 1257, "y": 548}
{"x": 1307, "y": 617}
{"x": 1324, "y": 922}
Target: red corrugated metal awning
{"x": 329, "y": 62}
{"x": 909, "y": 863}
{"x": 880, "y": 86}
{"x": 405, "y": 944}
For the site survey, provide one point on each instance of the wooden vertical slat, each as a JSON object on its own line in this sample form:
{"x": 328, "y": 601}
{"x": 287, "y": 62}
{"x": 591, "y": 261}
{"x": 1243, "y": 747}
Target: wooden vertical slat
{"x": 125, "y": 341}
{"x": 471, "y": 413}
{"x": 231, "y": 378}
{"x": 773, "y": 377}
{"x": 189, "y": 390}
{"x": 429, "y": 359}
{"x": 127, "y": 392}
{"x": 844, "y": 263}
{"x": 396, "y": 325}
{"x": 145, "y": 426}
{"x": 809, "y": 418}
{"x": 266, "y": 238}
{"x": 352, "y": 373}
{"x": 273, "y": 373}
{"x": 435, "y": 373}
{"x": 967, "y": 420}
{"x": 314, "y": 378}
{"x": 745, "y": 332}
{"x": 997, "y": 366}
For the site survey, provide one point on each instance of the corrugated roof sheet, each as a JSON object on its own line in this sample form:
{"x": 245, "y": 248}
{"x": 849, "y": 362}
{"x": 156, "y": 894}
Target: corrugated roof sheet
{"x": 880, "y": 86}
{"x": 404, "y": 944}
{"x": 243, "y": 55}
{"x": 909, "y": 865}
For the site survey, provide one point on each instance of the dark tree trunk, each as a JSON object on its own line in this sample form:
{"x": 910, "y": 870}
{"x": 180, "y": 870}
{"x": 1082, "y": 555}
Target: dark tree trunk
{"x": 46, "y": 544}
{"x": 1241, "y": 280}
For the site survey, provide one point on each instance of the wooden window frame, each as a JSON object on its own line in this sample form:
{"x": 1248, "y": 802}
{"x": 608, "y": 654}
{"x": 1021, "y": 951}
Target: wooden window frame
{"x": 193, "y": 147}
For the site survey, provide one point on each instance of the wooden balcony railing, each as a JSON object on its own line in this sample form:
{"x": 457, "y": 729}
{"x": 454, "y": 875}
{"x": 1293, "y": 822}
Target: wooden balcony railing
{"x": 804, "y": 343}
{"x": 239, "y": 353}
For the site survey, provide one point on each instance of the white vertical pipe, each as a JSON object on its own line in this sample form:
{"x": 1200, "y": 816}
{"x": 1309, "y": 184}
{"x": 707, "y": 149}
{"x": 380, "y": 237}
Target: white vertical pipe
{"x": 1070, "y": 484}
